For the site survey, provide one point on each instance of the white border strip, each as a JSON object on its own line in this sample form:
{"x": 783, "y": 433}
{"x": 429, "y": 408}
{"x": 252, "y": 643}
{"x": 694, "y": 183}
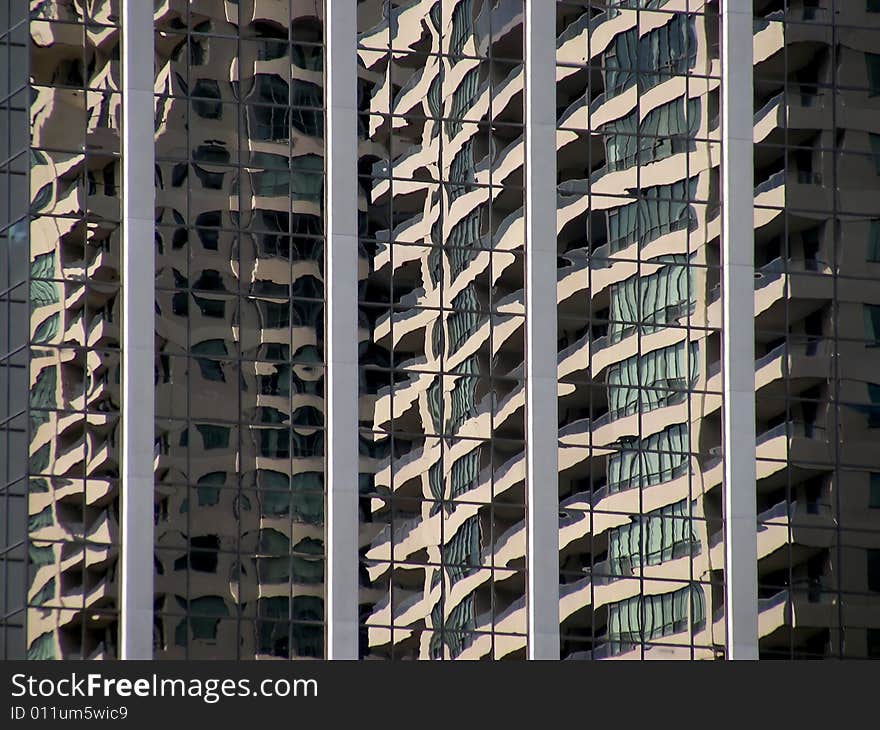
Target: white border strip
{"x": 138, "y": 327}
{"x": 738, "y": 345}
{"x": 341, "y": 330}
{"x": 541, "y": 368}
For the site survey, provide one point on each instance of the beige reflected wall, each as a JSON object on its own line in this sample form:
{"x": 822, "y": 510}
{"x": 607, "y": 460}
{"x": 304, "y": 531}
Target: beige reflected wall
{"x": 815, "y": 168}
{"x": 641, "y": 555}
{"x": 239, "y": 454}
{"x": 59, "y": 558}
{"x": 442, "y": 330}
{"x": 814, "y": 227}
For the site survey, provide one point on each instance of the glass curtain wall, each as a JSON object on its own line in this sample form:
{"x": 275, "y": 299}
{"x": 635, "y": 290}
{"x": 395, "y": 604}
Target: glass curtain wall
{"x": 816, "y": 291}
{"x": 638, "y": 141}
{"x": 59, "y": 328}
{"x": 239, "y": 470}
{"x": 441, "y": 312}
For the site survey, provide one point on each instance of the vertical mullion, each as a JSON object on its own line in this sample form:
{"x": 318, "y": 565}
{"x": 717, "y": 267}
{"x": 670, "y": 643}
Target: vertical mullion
{"x": 341, "y": 329}
{"x": 541, "y": 370}
{"x": 138, "y": 275}
{"x": 738, "y": 335}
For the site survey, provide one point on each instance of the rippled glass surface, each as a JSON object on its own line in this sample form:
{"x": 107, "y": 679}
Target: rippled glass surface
{"x": 639, "y": 315}
{"x": 816, "y": 172}
{"x": 60, "y": 239}
{"x": 240, "y": 556}
{"x": 442, "y": 329}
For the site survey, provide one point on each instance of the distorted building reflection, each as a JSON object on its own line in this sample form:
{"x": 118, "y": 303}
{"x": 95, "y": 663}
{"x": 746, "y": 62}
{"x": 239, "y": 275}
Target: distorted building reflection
{"x": 442, "y": 329}
{"x": 240, "y": 555}
{"x": 239, "y": 565}
{"x": 639, "y": 415}
{"x": 815, "y": 215}
{"x": 641, "y": 555}
{"x": 60, "y": 564}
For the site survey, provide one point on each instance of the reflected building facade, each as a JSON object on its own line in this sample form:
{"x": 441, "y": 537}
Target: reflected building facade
{"x": 816, "y": 165}
{"x": 641, "y": 444}
{"x": 61, "y": 330}
{"x": 242, "y": 549}
{"x": 239, "y": 467}
{"x": 239, "y": 363}
{"x": 640, "y": 393}
{"x": 442, "y": 322}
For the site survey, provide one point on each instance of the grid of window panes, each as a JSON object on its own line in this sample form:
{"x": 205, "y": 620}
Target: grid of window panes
{"x": 240, "y": 552}
{"x": 14, "y": 165}
{"x": 817, "y": 177}
{"x": 639, "y": 312}
{"x": 62, "y": 261}
{"x": 442, "y": 331}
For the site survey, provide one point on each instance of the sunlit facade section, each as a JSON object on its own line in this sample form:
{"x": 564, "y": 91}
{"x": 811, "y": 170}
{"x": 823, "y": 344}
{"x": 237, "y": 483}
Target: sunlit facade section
{"x": 61, "y": 329}
{"x": 639, "y": 312}
{"x": 442, "y": 329}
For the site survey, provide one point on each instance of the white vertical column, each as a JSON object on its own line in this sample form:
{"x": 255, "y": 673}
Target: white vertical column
{"x": 541, "y": 369}
{"x": 138, "y": 275}
{"x": 738, "y": 339}
{"x": 341, "y": 329}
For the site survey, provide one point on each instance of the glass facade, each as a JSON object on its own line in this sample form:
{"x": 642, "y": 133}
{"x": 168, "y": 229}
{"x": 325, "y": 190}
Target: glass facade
{"x": 244, "y": 385}
{"x": 816, "y": 176}
{"x": 61, "y": 331}
{"x": 441, "y": 329}
{"x": 638, "y": 139}
{"x": 239, "y": 468}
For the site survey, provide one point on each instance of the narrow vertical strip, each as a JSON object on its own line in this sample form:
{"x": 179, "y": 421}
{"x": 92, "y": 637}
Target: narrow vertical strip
{"x": 541, "y": 370}
{"x": 341, "y": 330}
{"x": 136, "y": 594}
{"x": 738, "y": 286}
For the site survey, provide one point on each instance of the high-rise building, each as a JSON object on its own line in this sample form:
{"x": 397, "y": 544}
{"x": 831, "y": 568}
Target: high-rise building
{"x": 440, "y": 329}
